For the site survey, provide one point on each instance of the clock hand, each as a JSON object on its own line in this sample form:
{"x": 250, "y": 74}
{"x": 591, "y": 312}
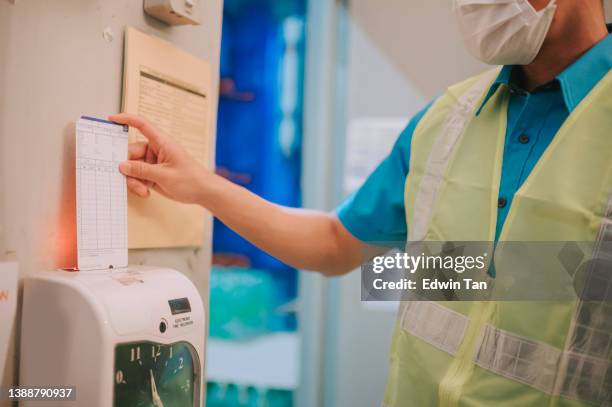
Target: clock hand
{"x": 157, "y": 402}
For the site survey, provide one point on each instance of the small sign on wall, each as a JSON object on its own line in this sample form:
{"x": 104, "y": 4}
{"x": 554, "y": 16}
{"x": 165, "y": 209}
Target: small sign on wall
{"x": 8, "y": 306}
{"x": 369, "y": 141}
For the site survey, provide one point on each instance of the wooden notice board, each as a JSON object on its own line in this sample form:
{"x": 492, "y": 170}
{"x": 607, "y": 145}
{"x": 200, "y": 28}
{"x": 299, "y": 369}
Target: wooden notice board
{"x": 170, "y": 88}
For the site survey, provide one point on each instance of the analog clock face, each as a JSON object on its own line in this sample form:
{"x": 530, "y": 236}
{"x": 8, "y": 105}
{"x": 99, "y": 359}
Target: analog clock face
{"x": 149, "y": 374}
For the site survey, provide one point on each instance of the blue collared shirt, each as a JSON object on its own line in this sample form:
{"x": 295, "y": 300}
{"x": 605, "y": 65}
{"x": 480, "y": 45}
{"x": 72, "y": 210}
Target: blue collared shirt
{"x": 375, "y": 213}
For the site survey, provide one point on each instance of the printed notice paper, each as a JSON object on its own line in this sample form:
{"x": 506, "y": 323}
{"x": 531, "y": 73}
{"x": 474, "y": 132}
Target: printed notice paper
{"x": 101, "y": 194}
{"x": 172, "y": 89}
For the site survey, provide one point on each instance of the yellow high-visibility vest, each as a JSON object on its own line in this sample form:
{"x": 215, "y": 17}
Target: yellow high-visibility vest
{"x": 488, "y": 353}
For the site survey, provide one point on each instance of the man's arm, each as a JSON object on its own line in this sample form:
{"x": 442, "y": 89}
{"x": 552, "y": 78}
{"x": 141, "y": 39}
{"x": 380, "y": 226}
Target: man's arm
{"x": 304, "y": 239}
{"x": 301, "y": 238}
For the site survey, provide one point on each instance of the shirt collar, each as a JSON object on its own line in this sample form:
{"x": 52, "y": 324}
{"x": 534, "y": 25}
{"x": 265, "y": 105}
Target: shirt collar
{"x": 579, "y": 79}
{"x": 576, "y": 81}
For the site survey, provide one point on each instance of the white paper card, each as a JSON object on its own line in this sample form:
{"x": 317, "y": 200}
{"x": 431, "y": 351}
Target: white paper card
{"x": 101, "y": 194}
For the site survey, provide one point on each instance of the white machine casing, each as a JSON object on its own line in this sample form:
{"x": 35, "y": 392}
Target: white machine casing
{"x": 72, "y": 322}
{"x": 174, "y": 12}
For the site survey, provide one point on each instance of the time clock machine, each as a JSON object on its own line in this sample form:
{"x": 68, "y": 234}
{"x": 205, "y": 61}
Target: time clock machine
{"x": 121, "y": 338}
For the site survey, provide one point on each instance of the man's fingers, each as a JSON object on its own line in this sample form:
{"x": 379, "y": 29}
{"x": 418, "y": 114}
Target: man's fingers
{"x": 138, "y": 187}
{"x": 138, "y": 150}
{"x": 147, "y": 130}
{"x": 150, "y": 156}
{"x": 140, "y": 170}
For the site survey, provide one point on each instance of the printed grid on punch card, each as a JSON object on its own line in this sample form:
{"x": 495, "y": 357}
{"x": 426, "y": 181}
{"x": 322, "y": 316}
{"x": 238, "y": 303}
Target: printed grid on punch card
{"x": 101, "y": 195}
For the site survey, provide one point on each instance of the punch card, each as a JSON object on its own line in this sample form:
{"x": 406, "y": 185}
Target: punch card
{"x": 101, "y": 194}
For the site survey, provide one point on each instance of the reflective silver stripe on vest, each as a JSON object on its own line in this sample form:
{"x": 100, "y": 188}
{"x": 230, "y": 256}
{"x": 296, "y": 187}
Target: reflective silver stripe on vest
{"x": 437, "y": 325}
{"x": 544, "y": 367}
{"x": 586, "y": 378}
{"x": 532, "y": 363}
{"x": 536, "y": 364}
{"x": 438, "y": 160}
{"x": 592, "y": 329}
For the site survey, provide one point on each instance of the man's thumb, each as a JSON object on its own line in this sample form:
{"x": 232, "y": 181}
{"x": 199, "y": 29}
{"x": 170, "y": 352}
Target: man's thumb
{"x": 140, "y": 170}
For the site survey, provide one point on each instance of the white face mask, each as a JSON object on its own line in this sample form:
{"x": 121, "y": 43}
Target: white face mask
{"x": 503, "y": 32}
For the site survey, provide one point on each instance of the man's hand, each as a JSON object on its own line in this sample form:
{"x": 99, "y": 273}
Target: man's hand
{"x": 161, "y": 164}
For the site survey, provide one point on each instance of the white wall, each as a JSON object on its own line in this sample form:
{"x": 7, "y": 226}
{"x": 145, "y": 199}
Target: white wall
{"x": 55, "y": 65}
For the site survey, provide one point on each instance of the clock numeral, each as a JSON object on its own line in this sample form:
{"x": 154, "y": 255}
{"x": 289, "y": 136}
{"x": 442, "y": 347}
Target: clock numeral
{"x": 119, "y": 379}
{"x": 181, "y": 361}
{"x": 170, "y": 352}
{"x": 155, "y": 351}
{"x": 135, "y": 354}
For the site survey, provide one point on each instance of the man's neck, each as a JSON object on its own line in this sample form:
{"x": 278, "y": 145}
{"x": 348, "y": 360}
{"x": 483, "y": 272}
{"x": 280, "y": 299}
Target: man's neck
{"x": 559, "y": 53}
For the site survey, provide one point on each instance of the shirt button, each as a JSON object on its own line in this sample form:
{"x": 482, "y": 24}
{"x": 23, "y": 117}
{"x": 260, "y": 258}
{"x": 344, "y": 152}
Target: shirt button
{"x": 524, "y": 139}
{"x": 502, "y": 202}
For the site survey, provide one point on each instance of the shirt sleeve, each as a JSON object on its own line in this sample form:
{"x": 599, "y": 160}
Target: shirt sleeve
{"x": 375, "y": 213}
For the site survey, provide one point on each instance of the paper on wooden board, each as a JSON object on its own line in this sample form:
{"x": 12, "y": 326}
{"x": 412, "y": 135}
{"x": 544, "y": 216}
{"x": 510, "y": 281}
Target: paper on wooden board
{"x": 171, "y": 88}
